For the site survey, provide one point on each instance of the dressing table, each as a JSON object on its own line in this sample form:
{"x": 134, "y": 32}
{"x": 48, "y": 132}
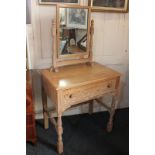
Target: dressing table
{"x": 73, "y": 78}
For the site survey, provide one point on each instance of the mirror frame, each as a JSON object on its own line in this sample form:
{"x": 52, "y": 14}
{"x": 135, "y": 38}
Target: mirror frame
{"x": 70, "y": 59}
{"x": 72, "y": 56}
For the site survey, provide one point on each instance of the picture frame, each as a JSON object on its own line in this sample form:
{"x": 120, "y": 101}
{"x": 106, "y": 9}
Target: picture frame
{"x": 54, "y": 2}
{"x": 77, "y": 18}
{"x": 109, "y": 5}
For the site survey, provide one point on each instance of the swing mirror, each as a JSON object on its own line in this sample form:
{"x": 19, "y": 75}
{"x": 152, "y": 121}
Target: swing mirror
{"x": 73, "y": 28}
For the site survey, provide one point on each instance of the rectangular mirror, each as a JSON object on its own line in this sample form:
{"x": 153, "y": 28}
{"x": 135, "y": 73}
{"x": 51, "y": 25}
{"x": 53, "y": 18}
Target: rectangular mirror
{"x": 72, "y": 31}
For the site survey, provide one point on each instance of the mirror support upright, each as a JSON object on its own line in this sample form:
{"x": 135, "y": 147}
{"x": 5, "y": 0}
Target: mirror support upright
{"x": 54, "y": 53}
{"x": 91, "y": 43}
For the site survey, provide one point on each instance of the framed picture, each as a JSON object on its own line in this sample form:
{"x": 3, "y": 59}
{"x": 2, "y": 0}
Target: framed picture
{"x": 54, "y": 2}
{"x": 77, "y": 18}
{"x": 109, "y": 5}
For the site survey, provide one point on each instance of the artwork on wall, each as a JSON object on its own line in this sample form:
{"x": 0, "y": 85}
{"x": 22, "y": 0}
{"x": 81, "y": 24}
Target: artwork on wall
{"x": 77, "y": 18}
{"x": 109, "y": 5}
{"x": 58, "y": 1}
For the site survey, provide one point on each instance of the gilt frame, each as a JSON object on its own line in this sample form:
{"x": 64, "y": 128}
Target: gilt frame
{"x": 109, "y": 6}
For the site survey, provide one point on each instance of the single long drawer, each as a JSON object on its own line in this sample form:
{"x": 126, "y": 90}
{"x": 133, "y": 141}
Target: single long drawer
{"x": 87, "y": 92}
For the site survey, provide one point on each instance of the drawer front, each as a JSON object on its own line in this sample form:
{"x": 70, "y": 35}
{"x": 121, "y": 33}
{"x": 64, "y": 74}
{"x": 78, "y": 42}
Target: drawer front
{"x": 87, "y": 92}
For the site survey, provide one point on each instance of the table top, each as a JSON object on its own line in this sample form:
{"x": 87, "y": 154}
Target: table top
{"x": 80, "y": 74}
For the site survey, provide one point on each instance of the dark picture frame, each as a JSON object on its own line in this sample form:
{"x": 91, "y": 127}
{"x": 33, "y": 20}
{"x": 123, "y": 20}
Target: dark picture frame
{"x": 54, "y": 2}
{"x": 109, "y": 5}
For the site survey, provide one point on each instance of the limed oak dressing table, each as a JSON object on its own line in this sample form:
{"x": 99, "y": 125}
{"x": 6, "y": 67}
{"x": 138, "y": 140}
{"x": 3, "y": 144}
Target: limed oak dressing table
{"x": 76, "y": 83}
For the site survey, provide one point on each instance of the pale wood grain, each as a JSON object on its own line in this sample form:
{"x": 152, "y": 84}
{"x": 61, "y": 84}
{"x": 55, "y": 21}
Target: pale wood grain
{"x": 112, "y": 112}
{"x": 45, "y": 113}
{"x": 86, "y": 74}
{"x": 59, "y": 131}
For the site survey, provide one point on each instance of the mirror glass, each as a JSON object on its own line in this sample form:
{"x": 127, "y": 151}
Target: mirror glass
{"x": 73, "y": 25}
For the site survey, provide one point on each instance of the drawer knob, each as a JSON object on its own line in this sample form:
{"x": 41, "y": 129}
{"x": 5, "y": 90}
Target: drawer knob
{"x": 109, "y": 85}
{"x": 70, "y": 96}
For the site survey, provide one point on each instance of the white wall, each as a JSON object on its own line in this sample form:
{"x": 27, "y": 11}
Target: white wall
{"x": 110, "y": 47}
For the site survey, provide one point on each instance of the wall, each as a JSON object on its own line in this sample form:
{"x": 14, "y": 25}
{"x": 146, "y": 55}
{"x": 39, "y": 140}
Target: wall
{"x": 110, "y": 48}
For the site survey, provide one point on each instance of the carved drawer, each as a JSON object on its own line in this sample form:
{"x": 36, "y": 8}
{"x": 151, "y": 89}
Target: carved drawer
{"x": 87, "y": 92}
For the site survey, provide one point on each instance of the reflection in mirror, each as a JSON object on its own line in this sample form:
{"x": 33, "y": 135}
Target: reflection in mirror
{"x": 73, "y": 24}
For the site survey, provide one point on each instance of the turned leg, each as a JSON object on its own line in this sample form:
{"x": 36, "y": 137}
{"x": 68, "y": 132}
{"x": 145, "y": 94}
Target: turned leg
{"x": 112, "y": 112}
{"x": 91, "y": 106}
{"x": 53, "y": 120}
{"x": 45, "y": 114}
{"x": 59, "y": 132}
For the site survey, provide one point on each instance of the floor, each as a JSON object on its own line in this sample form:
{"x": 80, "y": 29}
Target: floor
{"x": 85, "y": 135}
